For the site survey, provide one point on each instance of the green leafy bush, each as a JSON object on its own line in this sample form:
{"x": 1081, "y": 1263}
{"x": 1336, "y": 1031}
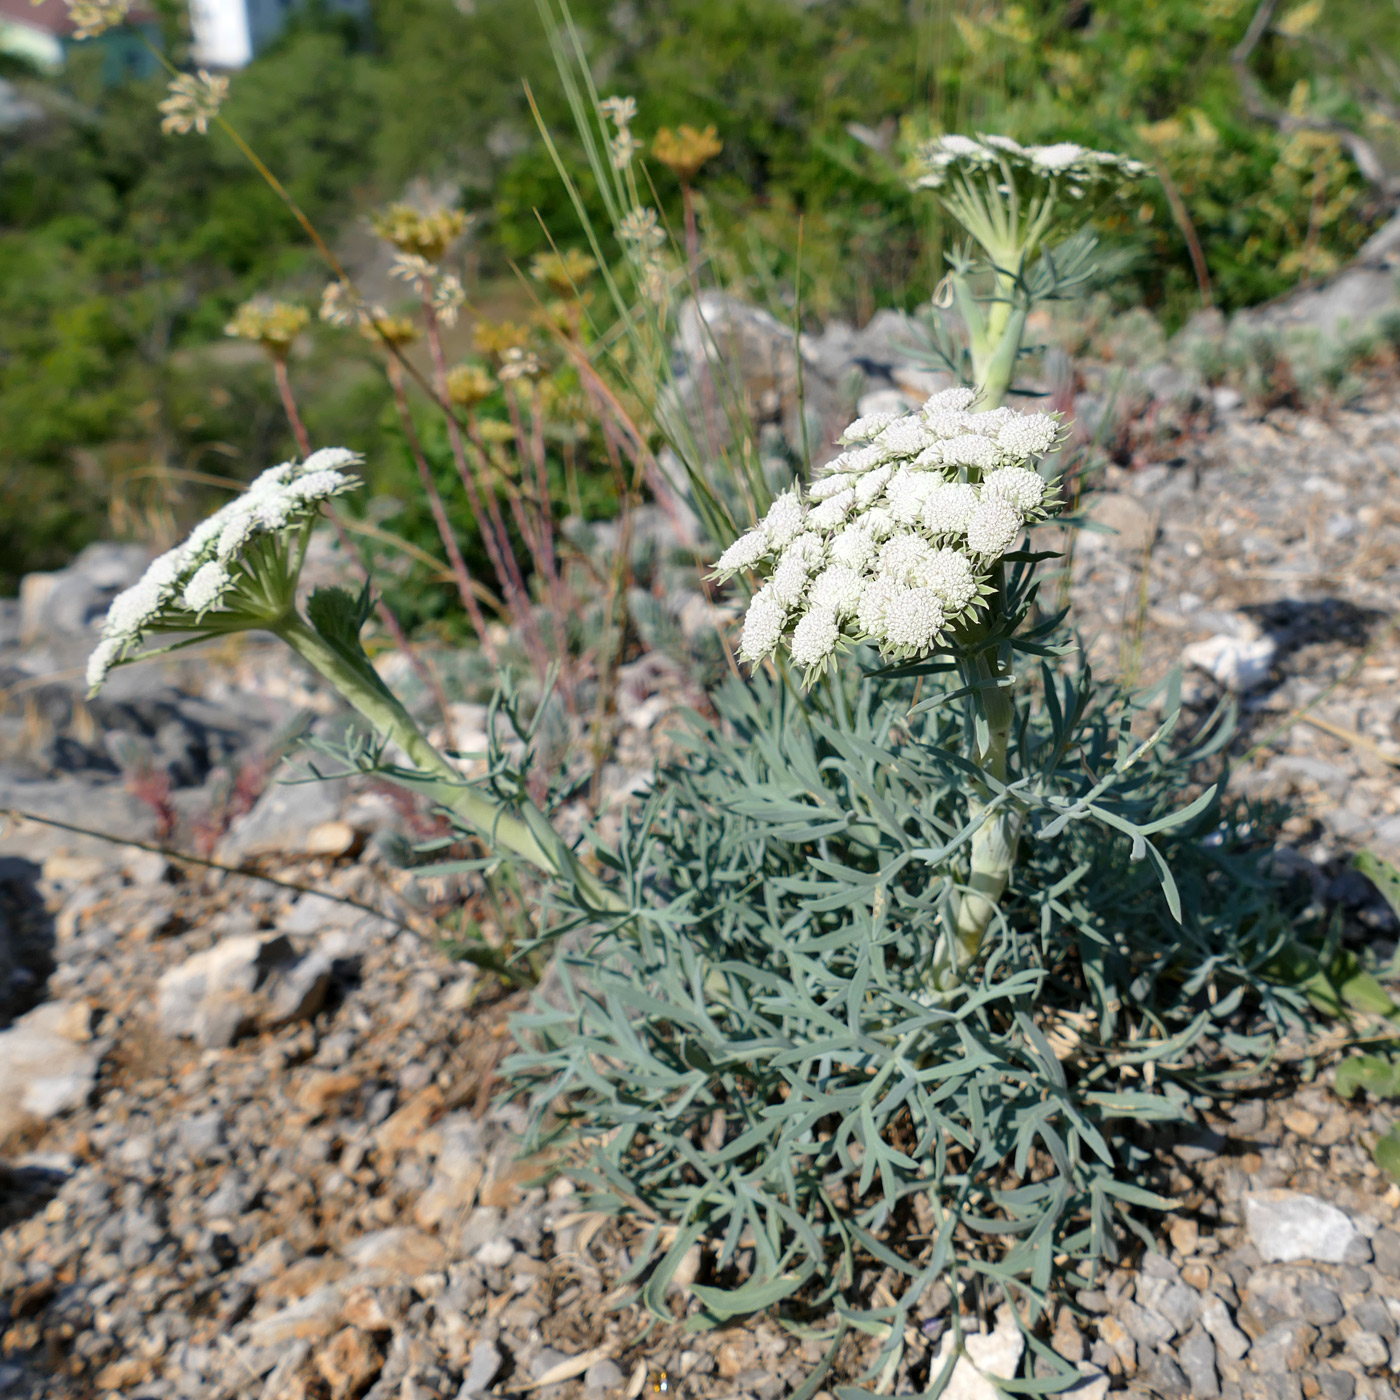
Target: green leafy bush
{"x": 756, "y": 1058}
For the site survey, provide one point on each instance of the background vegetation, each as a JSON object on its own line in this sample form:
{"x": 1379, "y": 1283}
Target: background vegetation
{"x": 122, "y": 252}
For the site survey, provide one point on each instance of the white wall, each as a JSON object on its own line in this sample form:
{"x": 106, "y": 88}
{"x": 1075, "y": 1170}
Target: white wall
{"x": 221, "y": 36}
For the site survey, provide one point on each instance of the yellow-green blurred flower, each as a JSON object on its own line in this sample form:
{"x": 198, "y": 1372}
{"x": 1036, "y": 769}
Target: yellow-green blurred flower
{"x": 428, "y": 234}
{"x": 563, "y": 271}
{"x": 686, "y": 150}
{"x": 468, "y": 384}
{"x": 273, "y": 324}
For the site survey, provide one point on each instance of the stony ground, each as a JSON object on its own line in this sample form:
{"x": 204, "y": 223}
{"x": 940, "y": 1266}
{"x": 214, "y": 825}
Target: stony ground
{"x": 255, "y": 1146}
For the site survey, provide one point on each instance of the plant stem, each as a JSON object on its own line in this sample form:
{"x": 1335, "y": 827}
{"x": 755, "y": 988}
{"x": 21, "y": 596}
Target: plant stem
{"x": 449, "y": 540}
{"x": 527, "y": 835}
{"x": 386, "y": 613}
{"x": 492, "y": 526}
{"x": 995, "y": 842}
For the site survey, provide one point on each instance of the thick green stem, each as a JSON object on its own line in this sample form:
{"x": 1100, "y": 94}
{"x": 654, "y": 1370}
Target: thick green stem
{"x": 526, "y": 835}
{"x": 994, "y": 845}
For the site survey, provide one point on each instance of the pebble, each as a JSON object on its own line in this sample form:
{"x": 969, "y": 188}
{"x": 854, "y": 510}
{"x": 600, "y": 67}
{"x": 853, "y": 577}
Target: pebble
{"x": 1287, "y": 1225}
{"x": 1196, "y": 1353}
{"x": 486, "y": 1362}
{"x": 1216, "y": 1319}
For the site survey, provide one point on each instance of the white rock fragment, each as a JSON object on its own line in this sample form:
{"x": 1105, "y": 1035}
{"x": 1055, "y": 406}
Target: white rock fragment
{"x": 1287, "y": 1225}
{"x": 47, "y": 1065}
{"x": 1239, "y": 664}
{"x": 995, "y": 1354}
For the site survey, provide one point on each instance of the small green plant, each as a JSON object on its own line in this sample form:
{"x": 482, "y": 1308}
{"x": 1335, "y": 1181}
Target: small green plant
{"x": 1376, "y": 1072}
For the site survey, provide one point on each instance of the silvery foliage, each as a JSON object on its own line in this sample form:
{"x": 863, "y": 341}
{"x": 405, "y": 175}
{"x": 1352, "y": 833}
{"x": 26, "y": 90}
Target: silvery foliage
{"x": 896, "y": 542}
{"x": 750, "y": 1053}
{"x": 236, "y": 571}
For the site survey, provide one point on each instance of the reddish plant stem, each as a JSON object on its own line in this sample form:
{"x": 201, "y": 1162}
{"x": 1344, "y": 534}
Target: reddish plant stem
{"x": 387, "y": 616}
{"x": 465, "y": 587}
{"x": 289, "y": 404}
{"x": 532, "y": 450}
{"x": 493, "y": 531}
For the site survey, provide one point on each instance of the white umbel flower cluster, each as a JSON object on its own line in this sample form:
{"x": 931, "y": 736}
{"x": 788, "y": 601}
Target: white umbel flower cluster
{"x": 1077, "y": 167}
{"x": 896, "y": 542}
{"x": 189, "y": 588}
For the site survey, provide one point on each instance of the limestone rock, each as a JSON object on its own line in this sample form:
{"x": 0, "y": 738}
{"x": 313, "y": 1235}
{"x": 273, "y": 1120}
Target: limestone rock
{"x": 48, "y": 1064}
{"x": 996, "y": 1353}
{"x": 1287, "y": 1225}
{"x": 249, "y": 979}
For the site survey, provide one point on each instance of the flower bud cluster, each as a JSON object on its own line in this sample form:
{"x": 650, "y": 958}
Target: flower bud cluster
{"x": 213, "y": 581}
{"x": 895, "y": 543}
{"x": 1077, "y": 166}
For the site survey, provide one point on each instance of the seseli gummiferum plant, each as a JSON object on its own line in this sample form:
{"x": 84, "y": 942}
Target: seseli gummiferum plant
{"x": 876, "y": 989}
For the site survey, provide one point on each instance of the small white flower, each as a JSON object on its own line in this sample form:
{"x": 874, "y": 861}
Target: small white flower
{"x": 809, "y": 547}
{"x": 951, "y": 400}
{"x": 827, "y": 486}
{"x": 913, "y": 620}
{"x": 103, "y": 657}
{"x": 784, "y": 519}
{"x": 790, "y": 580}
{"x": 449, "y": 297}
{"x": 833, "y": 512}
{"x": 903, "y": 556}
{"x": 814, "y": 638}
{"x": 1005, "y": 143}
{"x": 236, "y": 532}
{"x": 874, "y": 606}
{"x": 209, "y": 583}
{"x": 194, "y": 101}
{"x": 963, "y": 147}
{"x": 324, "y": 459}
{"x": 863, "y": 429}
{"x": 1058, "y": 157}
{"x": 948, "y": 575}
{"x": 622, "y": 110}
{"x": 869, "y": 486}
{"x": 133, "y": 608}
{"x": 414, "y": 269}
{"x": 640, "y": 227}
{"x": 276, "y": 511}
{"x": 320, "y": 486}
{"x": 1024, "y": 489}
{"x": 907, "y": 492}
{"x": 905, "y": 437}
{"x": 948, "y": 509}
{"x": 836, "y": 589}
{"x": 948, "y": 422}
{"x": 865, "y": 459}
{"x": 763, "y": 626}
{"x": 878, "y": 521}
{"x": 854, "y": 546}
{"x": 744, "y": 553}
{"x": 970, "y": 450}
{"x": 993, "y": 528}
{"x": 1028, "y": 434}
{"x": 163, "y": 570}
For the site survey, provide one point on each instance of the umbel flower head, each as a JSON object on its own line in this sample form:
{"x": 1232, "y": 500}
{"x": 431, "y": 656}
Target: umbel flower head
{"x": 273, "y": 324}
{"x": 685, "y": 150}
{"x": 93, "y": 17}
{"x": 896, "y": 542}
{"x": 428, "y": 233}
{"x": 1007, "y": 195}
{"x": 237, "y": 570}
{"x": 194, "y": 102}
{"x": 1078, "y": 167}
